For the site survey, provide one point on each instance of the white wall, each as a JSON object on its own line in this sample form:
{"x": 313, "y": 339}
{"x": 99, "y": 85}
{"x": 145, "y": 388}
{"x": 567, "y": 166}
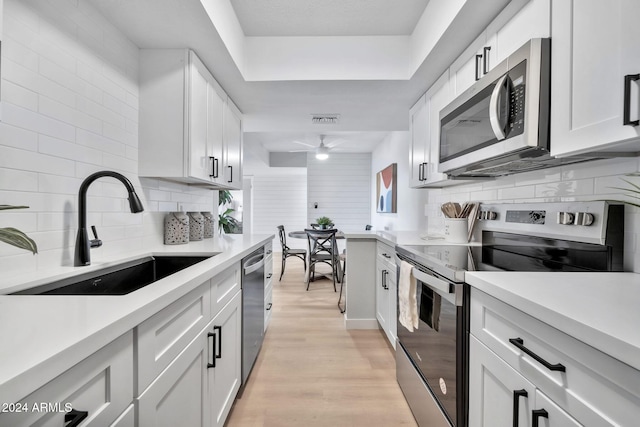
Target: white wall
{"x": 586, "y": 181}
{"x": 280, "y": 199}
{"x": 341, "y": 187}
{"x": 70, "y": 108}
{"x": 410, "y": 216}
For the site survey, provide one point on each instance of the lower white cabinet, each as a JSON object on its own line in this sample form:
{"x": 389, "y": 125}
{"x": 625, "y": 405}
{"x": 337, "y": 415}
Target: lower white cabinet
{"x": 199, "y": 386}
{"x": 98, "y": 389}
{"x": 225, "y": 377}
{"x": 386, "y": 291}
{"x": 567, "y": 382}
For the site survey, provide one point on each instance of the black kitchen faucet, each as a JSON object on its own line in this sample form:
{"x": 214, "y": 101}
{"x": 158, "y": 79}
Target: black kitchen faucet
{"x": 83, "y": 244}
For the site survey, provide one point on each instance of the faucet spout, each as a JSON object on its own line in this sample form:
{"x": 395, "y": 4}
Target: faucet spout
{"x": 83, "y": 244}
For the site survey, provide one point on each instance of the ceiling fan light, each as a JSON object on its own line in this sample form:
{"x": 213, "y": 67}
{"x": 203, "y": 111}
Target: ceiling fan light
{"x": 322, "y": 153}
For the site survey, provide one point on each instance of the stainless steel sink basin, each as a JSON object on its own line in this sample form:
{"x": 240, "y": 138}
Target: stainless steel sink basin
{"x": 119, "y": 279}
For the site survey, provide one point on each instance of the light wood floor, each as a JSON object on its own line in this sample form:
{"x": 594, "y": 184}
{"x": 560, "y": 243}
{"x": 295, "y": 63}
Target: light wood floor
{"x": 313, "y": 372}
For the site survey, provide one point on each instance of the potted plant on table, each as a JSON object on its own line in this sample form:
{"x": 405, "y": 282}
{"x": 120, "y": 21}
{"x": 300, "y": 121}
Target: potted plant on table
{"x": 324, "y": 222}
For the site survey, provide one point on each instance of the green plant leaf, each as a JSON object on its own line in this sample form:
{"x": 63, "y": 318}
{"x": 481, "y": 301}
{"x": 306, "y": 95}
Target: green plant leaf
{"x": 224, "y": 197}
{"x": 5, "y": 207}
{"x": 17, "y": 238}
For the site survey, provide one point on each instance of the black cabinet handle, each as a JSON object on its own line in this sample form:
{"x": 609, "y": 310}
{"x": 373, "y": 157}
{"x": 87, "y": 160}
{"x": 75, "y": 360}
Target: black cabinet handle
{"x": 485, "y": 59}
{"x": 478, "y": 58}
{"x": 626, "y": 120}
{"x": 73, "y": 418}
{"x": 213, "y": 350}
{"x": 219, "y": 330}
{"x": 519, "y": 342}
{"x": 269, "y": 306}
{"x": 269, "y": 275}
{"x": 517, "y": 394}
{"x": 384, "y": 279}
{"x": 420, "y": 172}
{"x": 269, "y": 252}
{"x": 386, "y": 256}
{"x": 537, "y": 414}
{"x": 230, "y": 173}
{"x": 214, "y": 167}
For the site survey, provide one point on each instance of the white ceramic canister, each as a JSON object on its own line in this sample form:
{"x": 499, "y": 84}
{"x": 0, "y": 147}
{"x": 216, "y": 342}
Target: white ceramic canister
{"x": 456, "y": 230}
{"x": 208, "y": 224}
{"x": 176, "y": 228}
{"x": 196, "y": 226}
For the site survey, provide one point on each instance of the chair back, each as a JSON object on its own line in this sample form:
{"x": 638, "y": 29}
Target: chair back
{"x": 283, "y": 237}
{"x": 368, "y": 227}
{"x": 322, "y": 242}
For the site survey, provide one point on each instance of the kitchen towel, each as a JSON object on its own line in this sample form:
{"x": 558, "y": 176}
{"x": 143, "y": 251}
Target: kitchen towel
{"x": 407, "y": 303}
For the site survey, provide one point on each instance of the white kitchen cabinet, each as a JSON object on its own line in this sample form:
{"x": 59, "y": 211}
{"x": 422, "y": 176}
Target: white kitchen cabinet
{"x": 178, "y": 396}
{"x": 418, "y": 128}
{"x": 268, "y": 284}
{"x": 232, "y": 146}
{"x": 386, "y": 295}
{"x": 127, "y": 418}
{"x": 164, "y": 335}
{"x": 595, "y": 45}
{"x": 494, "y": 388}
{"x": 101, "y": 385}
{"x": 189, "y": 129}
{"x": 225, "y": 377}
{"x": 582, "y": 383}
{"x": 224, "y": 287}
{"x": 517, "y": 23}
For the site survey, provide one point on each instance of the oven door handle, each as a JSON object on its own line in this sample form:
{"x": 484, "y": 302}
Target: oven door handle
{"x": 433, "y": 282}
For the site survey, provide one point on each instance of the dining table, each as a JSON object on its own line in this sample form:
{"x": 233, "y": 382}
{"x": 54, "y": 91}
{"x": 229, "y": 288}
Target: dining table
{"x": 301, "y": 234}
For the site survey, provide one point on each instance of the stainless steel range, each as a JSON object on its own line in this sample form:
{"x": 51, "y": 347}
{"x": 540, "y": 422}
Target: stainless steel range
{"x": 432, "y": 360}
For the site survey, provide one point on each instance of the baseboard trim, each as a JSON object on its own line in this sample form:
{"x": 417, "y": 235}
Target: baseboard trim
{"x": 361, "y": 323}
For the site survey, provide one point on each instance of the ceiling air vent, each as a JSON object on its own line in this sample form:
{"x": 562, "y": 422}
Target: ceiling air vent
{"x": 325, "y": 119}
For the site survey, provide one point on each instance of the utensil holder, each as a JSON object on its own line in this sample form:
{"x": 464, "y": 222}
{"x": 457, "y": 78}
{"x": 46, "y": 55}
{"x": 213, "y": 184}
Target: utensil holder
{"x": 456, "y": 230}
{"x": 176, "y": 228}
{"x": 196, "y": 226}
{"x": 208, "y": 224}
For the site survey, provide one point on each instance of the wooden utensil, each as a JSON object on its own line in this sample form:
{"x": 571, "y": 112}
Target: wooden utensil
{"x": 474, "y": 217}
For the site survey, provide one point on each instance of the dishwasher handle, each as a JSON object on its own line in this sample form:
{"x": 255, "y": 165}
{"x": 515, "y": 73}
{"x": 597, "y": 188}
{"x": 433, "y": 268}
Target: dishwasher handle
{"x": 254, "y": 263}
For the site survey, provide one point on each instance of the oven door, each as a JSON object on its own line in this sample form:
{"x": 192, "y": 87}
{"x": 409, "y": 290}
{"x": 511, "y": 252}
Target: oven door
{"x": 438, "y": 347}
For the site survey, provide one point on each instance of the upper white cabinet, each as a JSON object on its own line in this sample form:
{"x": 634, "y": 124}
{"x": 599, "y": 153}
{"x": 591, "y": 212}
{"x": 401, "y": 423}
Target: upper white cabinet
{"x": 418, "y": 118}
{"x": 594, "y": 47}
{"x": 189, "y": 129}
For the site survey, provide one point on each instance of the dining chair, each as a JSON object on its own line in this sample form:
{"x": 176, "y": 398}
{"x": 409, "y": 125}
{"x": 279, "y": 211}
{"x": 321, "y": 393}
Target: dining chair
{"x": 289, "y": 252}
{"x": 322, "y": 250}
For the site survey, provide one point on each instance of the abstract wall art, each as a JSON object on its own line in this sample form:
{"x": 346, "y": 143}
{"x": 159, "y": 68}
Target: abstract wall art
{"x": 386, "y": 193}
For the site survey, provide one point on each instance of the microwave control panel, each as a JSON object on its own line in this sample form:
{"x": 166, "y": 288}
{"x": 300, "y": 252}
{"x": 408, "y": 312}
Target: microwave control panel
{"x": 517, "y": 78}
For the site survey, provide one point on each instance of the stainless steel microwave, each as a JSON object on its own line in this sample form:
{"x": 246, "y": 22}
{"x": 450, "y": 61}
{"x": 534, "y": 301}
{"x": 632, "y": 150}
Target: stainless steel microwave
{"x": 500, "y": 125}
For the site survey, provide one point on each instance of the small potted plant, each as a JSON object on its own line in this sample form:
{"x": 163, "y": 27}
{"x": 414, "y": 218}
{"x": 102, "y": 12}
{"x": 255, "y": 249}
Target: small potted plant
{"x": 324, "y": 222}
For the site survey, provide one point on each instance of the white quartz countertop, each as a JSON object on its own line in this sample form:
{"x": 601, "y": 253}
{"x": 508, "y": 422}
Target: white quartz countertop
{"x": 599, "y": 309}
{"x": 43, "y": 336}
{"x": 393, "y": 238}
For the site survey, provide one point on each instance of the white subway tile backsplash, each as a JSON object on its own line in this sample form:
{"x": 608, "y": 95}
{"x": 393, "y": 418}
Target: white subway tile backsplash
{"x": 12, "y": 136}
{"x": 565, "y": 188}
{"x": 58, "y": 184}
{"x": 119, "y": 134}
{"x": 601, "y": 168}
{"x": 13, "y": 158}
{"x": 30, "y": 120}
{"x": 118, "y": 163}
{"x": 18, "y": 180}
{"x": 18, "y": 95}
{"x": 101, "y": 143}
{"x": 522, "y": 192}
{"x": 68, "y": 150}
{"x": 72, "y": 116}
{"x": 48, "y": 221}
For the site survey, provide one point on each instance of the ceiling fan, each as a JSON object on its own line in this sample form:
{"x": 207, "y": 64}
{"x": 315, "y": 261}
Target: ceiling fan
{"x": 322, "y": 150}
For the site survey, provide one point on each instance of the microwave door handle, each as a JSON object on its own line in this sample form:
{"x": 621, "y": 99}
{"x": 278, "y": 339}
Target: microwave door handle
{"x": 494, "y": 109}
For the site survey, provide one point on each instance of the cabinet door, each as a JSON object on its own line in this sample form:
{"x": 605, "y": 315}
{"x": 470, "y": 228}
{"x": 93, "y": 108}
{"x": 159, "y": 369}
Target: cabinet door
{"x": 438, "y": 96}
{"x": 588, "y": 75}
{"x": 101, "y": 385}
{"x": 216, "y": 98}
{"x": 199, "y": 164}
{"x": 495, "y": 388}
{"x": 463, "y": 70}
{"x": 232, "y": 146}
{"x": 225, "y": 378}
{"x": 418, "y": 119}
{"x": 178, "y": 397}
{"x": 392, "y": 324}
{"x": 382, "y": 295}
{"x": 550, "y": 414}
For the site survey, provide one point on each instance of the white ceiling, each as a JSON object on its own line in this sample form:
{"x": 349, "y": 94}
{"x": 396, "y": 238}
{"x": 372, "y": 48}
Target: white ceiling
{"x": 328, "y": 17}
{"x": 339, "y": 142}
{"x": 278, "y": 111}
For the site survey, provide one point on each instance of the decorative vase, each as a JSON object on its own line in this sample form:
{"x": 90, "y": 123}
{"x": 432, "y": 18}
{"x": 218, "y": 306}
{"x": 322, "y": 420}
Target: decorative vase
{"x": 176, "y": 228}
{"x": 208, "y": 224}
{"x": 196, "y": 226}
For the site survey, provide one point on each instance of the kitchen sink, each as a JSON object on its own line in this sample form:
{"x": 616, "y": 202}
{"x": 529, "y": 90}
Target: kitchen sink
{"x": 119, "y": 279}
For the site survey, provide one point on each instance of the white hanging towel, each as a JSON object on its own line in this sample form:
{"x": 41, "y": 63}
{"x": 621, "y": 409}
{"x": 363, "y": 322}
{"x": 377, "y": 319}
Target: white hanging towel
{"x": 407, "y": 303}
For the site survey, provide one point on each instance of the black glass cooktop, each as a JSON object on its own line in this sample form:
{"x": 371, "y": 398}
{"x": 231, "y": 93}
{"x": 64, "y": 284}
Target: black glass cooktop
{"x": 513, "y": 252}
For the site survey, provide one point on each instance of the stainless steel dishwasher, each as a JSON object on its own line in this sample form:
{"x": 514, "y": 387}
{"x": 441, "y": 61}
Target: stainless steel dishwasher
{"x": 252, "y": 309}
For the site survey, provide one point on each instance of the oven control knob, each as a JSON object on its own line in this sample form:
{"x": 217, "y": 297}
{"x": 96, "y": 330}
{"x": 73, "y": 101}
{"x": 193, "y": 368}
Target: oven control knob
{"x": 584, "y": 218}
{"x": 565, "y": 218}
